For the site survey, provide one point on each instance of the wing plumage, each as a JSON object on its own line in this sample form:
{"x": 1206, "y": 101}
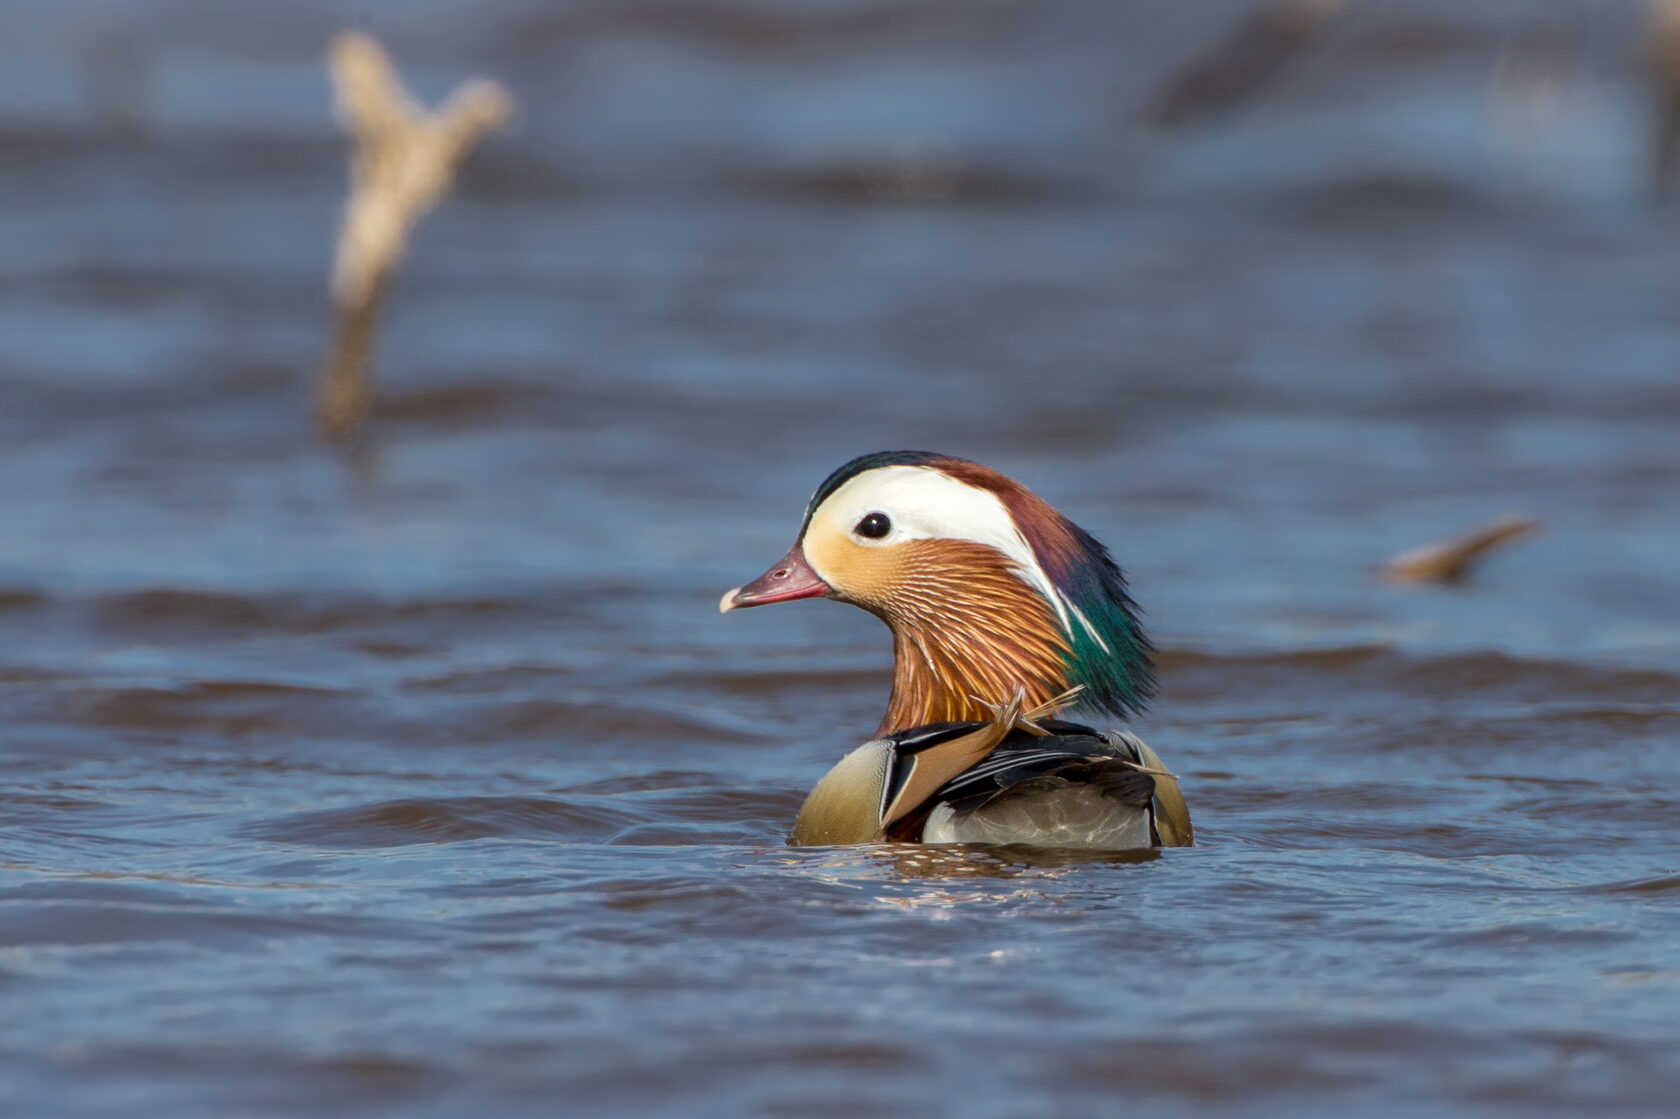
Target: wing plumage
{"x": 1017, "y": 778}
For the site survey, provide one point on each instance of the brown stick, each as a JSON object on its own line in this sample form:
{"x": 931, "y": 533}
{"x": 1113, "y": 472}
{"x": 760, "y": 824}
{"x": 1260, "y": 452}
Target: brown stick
{"x": 1664, "y": 59}
{"x": 1450, "y": 561}
{"x": 1253, "y": 51}
{"x": 402, "y": 165}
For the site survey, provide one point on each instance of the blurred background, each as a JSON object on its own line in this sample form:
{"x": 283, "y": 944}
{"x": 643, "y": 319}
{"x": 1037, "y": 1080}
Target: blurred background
{"x": 426, "y": 777}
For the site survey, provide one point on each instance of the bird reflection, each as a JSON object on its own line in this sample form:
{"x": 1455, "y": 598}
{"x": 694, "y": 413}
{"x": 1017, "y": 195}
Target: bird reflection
{"x": 956, "y": 860}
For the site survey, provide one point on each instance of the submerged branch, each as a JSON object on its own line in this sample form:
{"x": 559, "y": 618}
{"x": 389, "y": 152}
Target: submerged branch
{"x": 1664, "y": 57}
{"x": 1255, "y": 49}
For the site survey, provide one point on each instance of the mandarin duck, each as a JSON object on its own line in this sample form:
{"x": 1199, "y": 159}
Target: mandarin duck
{"x": 1001, "y": 610}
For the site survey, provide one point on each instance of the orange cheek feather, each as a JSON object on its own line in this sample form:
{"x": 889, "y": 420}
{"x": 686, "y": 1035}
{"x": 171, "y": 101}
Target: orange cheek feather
{"x": 865, "y": 576}
{"x": 963, "y": 624}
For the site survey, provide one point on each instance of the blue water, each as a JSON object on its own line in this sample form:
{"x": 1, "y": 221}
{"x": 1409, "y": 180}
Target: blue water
{"x": 429, "y": 782}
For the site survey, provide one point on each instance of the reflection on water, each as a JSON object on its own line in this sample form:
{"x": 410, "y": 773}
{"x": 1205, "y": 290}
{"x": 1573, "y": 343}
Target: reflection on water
{"x": 911, "y": 862}
{"x": 435, "y": 784}
{"x": 958, "y": 861}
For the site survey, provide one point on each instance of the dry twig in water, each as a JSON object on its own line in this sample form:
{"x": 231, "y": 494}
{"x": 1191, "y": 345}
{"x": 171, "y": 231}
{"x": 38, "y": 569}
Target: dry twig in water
{"x": 1254, "y": 50}
{"x": 1664, "y": 55}
{"x": 402, "y": 165}
{"x": 1449, "y": 561}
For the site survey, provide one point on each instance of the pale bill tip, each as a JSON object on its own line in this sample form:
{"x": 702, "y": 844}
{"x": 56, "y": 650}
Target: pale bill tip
{"x": 727, "y": 602}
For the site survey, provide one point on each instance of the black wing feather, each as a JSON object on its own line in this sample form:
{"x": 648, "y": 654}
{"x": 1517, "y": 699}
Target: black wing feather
{"x": 1071, "y": 751}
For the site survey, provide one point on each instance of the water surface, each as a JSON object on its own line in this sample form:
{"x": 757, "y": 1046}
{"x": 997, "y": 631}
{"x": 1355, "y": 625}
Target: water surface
{"x": 433, "y": 784}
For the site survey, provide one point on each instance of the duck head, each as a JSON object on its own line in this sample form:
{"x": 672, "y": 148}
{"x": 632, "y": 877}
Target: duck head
{"x": 986, "y": 588}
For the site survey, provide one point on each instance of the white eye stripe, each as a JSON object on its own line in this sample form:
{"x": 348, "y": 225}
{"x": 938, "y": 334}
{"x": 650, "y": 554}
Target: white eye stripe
{"x": 924, "y": 503}
{"x": 927, "y": 504}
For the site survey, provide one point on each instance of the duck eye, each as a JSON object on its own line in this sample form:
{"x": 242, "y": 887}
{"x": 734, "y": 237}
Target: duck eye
{"x": 874, "y": 526}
